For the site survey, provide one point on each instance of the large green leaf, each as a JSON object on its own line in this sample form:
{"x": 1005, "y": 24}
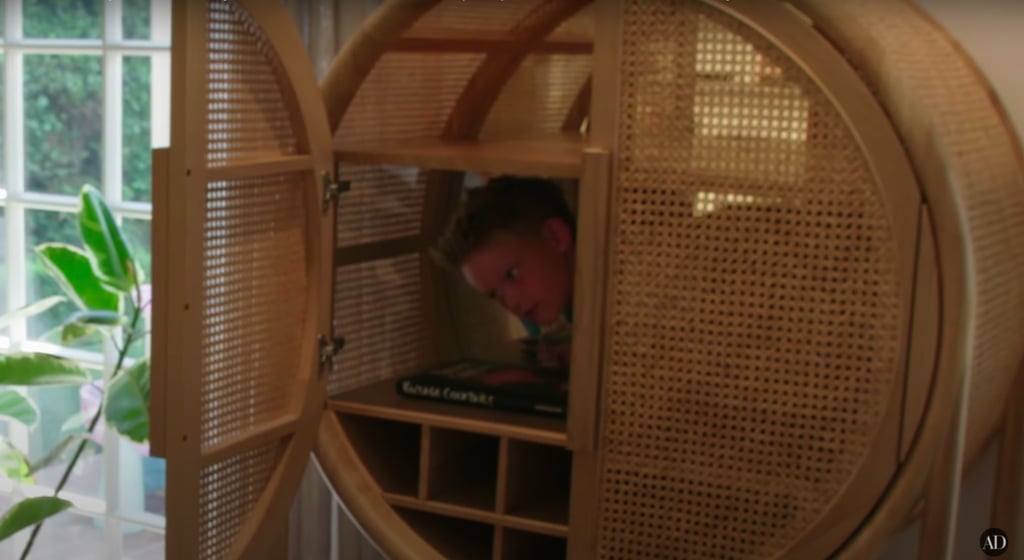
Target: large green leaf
{"x": 71, "y": 332}
{"x": 18, "y": 407}
{"x": 13, "y": 462}
{"x": 30, "y": 309}
{"x": 29, "y": 512}
{"x": 40, "y": 369}
{"x": 113, "y": 261}
{"x": 127, "y": 403}
{"x": 70, "y": 267}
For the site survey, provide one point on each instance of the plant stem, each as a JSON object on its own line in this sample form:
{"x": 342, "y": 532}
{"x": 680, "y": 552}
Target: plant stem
{"x": 122, "y": 353}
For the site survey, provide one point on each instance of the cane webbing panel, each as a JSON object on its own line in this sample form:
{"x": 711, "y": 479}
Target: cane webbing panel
{"x": 484, "y": 16}
{"x": 951, "y": 107}
{"x": 377, "y": 308}
{"x": 248, "y": 114}
{"x": 755, "y": 303}
{"x": 543, "y": 87}
{"x": 254, "y": 293}
{"x": 407, "y": 96}
{"x": 381, "y": 203}
{"x": 230, "y": 489}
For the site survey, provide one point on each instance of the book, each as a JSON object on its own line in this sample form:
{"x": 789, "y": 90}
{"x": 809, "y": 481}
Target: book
{"x": 515, "y": 388}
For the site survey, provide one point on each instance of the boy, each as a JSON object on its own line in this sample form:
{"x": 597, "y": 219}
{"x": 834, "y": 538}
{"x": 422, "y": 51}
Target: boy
{"x": 514, "y": 240}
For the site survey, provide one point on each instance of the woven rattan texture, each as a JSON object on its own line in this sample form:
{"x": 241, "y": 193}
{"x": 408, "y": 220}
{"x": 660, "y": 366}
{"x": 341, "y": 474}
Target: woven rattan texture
{"x": 377, "y": 308}
{"x": 381, "y": 203}
{"x": 384, "y": 110}
{"x": 542, "y": 88}
{"x": 248, "y": 114}
{"x": 228, "y": 491}
{"x": 481, "y": 16}
{"x": 952, "y": 107}
{"x": 254, "y": 293}
{"x": 754, "y": 318}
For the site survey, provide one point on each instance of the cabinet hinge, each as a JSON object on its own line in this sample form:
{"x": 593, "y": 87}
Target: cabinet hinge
{"x": 332, "y": 188}
{"x": 328, "y": 348}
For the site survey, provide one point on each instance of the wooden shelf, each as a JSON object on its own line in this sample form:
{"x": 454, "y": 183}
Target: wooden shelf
{"x": 381, "y": 400}
{"x": 557, "y": 156}
{"x": 471, "y": 514}
{"x": 460, "y": 40}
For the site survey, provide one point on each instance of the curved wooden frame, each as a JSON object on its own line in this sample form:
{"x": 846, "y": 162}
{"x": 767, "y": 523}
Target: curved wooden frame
{"x": 956, "y": 269}
{"x": 350, "y": 481}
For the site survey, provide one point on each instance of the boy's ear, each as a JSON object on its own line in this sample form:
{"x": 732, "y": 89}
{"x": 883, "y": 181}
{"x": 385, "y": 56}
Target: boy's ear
{"x": 557, "y": 232}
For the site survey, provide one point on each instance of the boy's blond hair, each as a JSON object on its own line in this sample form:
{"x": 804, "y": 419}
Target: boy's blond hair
{"x": 519, "y": 205}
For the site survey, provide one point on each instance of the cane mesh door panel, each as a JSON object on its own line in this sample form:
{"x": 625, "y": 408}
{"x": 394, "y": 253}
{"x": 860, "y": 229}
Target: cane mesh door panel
{"x": 757, "y": 310}
{"x": 249, "y": 256}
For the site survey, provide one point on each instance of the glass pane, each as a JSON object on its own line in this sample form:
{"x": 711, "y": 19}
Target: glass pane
{"x": 63, "y": 19}
{"x": 63, "y": 122}
{"x": 150, "y": 494}
{"x": 70, "y": 535}
{"x": 136, "y": 19}
{"x": 136, "y": 131}
{"x": 3, "y": 185}
{"x": 142, "y": 544}
{"x": 43, "y": 226}
{"x": 58, "y": 407}
{"x": 3, "y": 264}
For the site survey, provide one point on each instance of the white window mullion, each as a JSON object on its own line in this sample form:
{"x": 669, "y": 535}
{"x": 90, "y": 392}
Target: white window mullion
{"x": 111, "y": 178}
{"x": 14, "y": 176}
{"x": 160, "y": 75}
{"x": 112, "y": 86}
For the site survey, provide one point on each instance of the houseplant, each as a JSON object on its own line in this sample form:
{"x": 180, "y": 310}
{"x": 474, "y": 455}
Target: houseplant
{"x": 104, "y": 282}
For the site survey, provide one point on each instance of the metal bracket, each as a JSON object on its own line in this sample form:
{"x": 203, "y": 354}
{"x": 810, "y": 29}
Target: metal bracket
{"x": 332, "y": 188}
{"x": 328, "y": 348}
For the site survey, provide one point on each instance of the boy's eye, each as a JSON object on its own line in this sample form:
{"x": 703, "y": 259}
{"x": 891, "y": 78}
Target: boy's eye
{"x": 512, "y": 273}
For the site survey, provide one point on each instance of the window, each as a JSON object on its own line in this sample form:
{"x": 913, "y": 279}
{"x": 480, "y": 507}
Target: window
{"x": 85, "y": 98}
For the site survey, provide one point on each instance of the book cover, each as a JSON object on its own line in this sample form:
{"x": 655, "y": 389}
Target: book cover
{"x": 514, "y": 388}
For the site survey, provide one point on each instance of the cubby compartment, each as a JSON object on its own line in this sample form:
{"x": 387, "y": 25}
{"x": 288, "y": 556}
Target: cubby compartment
{"x": 538, "y": 482}
{"x": 462, "y": 468}
{"x": 523, "y": 545}
{"x": 454, "y": 539}
{"x": 390, "y": 450}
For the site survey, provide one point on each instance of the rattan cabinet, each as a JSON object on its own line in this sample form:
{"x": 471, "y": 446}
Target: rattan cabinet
{"x": 797, "y": 296}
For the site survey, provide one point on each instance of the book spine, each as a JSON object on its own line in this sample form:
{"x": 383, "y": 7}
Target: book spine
{"x": 477, "y": 397}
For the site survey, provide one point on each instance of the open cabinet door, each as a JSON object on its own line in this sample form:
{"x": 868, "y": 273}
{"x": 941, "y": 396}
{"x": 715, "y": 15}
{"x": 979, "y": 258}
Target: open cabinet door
{"x": 247, "y": 244}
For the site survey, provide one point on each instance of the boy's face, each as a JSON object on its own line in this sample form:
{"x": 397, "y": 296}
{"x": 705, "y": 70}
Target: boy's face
{"x": 530, "y": 275}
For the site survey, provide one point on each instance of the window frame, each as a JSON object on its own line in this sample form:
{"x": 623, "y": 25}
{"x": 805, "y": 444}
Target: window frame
{"x": 15, "y": 201}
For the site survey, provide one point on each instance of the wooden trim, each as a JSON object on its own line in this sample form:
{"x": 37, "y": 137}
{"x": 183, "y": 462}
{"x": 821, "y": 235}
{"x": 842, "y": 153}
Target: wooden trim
{"x": 185, "y": 210}
{"x": 377, "y": 250}
{"x": 449, "y": 41}
{"x": 590, "y": 277}
{"x": 161, "y": 335}
{"x": 955, "y": 270}
{"x": 501, "y": 497}
{"x": 938, "y": 524}
{"x": 263, "y": 434}
{"x": 379, "y": 33}
{"x": 1008, "y": 486}
{"x": 580, "y": 108}
{"x": 556, "y": 156}
{"x": 423, "y": 480}
{"x": 585, "y": 497}
{"x": 271, "y": 165}
{"x": 355, "y": 488}
{"x": 471, "y": 514}
{"x": 925, "y": 336}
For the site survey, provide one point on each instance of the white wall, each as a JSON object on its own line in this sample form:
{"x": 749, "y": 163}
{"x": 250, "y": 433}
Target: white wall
{"x": 992, "y": 32}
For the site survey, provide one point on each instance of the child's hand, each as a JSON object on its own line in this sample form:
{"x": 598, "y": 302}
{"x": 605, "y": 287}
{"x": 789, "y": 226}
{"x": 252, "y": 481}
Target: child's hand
{"x": 548, "y": 352}
{"x": 554, "y": 354}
